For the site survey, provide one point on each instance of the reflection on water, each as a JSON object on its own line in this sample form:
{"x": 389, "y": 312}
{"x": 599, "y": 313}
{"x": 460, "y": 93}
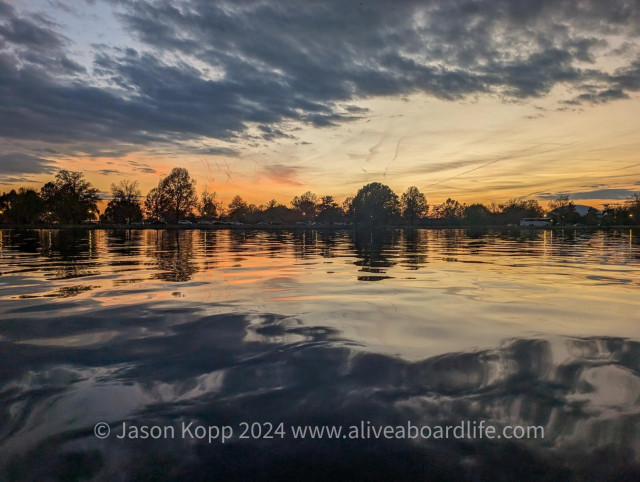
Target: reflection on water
{"x": 173, "y": 254}
{"x": 221, "y": 327}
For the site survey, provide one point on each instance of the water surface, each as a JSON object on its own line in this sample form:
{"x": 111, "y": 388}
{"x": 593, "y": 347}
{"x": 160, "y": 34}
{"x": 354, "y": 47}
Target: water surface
{"x": 309, "y": 327}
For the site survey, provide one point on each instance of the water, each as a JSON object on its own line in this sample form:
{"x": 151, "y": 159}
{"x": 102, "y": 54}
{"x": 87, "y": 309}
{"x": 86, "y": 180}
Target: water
{"x": 427, "y": 327}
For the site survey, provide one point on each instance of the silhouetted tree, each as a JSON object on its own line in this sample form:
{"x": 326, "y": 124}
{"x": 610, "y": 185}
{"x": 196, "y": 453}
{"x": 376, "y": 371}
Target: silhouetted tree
{"x": 6, "y": 200}
{"x": 124, "y": 207}
{"x": 476, "y": 214}
{"x": 305, "y": 205}
{"x": 347, "y": 208}
{"x": 278, "y": 213}
{"x": 450, "y": 210}
{"x": 625, "y": 215}
{"x": 156, "y": 204}
{"x": 70, "y": 198}
{"x": 5, "y": 204}
{"x": 563, "y": 209}
{"x": 180, "y": 191}
{"x": 238, "y": 209}
{"x": 494, "y": 208}
{"x": 209, "y": 206}
{"x": 414, "y": 204}
{"x": 514, "y": 210}
{"x": 632, "y": 205}
{"x": 329, "y": 211}
{"x": 254, "y": 214}
{"x": 374, "y": 204}
{"x": 22, "y": 207}
{"x": 592, "y": 217}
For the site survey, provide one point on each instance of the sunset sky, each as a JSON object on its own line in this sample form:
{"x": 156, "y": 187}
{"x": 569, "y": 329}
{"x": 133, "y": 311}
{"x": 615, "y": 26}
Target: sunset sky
{"x": 478, "y": 100}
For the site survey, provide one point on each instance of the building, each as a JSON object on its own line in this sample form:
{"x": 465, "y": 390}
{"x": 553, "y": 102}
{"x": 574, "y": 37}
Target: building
{"x": 537, "y": 222}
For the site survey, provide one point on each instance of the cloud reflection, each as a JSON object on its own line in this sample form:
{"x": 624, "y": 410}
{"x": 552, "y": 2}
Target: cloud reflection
{"x": 181, "y": 364}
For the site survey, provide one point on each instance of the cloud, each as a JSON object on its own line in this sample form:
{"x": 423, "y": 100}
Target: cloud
{"x": 215, "y": 151}
{"x": 109, "y": 172}
{"x": 14, "y": 180}
{"x": 20, "y": 31}
{"x": 435, "y": 167}
{"x": 596, "y": 194}
{"x": 283, "y": 174}
{"x": 35, "y": 43}
{"x": 19, "y": 163}
{"x": 598, "y": 97}
{"x": 142, "y": 167}
{"x": 206, "y": 69}
{"x": 270, "y": 133}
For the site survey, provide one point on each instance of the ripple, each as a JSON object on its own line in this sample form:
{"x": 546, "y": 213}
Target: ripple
{"x": 427, "y": 326}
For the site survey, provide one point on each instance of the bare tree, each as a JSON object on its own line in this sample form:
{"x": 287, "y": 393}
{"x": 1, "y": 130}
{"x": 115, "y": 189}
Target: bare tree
{"x": 125, "y": 204}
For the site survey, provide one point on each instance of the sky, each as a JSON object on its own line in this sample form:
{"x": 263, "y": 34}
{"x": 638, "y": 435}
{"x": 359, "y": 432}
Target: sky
{"x": 478, "y": 100}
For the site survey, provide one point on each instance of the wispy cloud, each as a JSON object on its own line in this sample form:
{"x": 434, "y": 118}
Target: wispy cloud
{"x": 595, "y": 194}
{"x": 8, "y": 180}
{"x": 283, "y": 174}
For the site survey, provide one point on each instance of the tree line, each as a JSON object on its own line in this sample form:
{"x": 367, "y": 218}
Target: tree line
{"x": 71, "y": 199}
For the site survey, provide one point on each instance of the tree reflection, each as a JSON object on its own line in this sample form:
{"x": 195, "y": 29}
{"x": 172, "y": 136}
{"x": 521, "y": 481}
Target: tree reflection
{"x": 124, "y": 242}
{"x": 374, "y": 248}
{"x": 210, "y": 244}
{"x": 26, "y": 240}
{"x": 330, "y": 242}
{"x": 414, "y": 248}
{"x": 275, "y": 242}
{"x": 173, "y": 252}
{"x": 304, "y": 243}
{"x": 76, "y": 252}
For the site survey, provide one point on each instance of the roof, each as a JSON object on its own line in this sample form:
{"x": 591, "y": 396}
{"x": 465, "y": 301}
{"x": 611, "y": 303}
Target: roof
{"x": 581, "y": 209}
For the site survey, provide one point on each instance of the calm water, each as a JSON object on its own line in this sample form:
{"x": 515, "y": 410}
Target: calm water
{"x": 222, "y": 327}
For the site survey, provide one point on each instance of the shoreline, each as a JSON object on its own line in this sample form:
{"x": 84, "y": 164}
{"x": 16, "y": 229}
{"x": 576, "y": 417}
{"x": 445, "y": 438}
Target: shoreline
{"x": 292, "y": 227}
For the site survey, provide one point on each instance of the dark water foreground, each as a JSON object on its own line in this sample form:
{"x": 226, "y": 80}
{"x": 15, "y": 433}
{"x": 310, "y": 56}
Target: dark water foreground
{"x": 429, "y": 328}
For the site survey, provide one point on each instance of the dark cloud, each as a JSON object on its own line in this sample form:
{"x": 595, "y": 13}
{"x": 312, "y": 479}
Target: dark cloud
{"x": 273, "y": 64}
{"x": 354, "y": 109}
{"x": 19, "y": 163}
{"x": 270, "y": 133}
{"x": 142, "y": 167}
{"x": 596, "y": 194}
{"x": 215, "y": 151}
{"x": 8, "y": 180}
{"x": 603, "y": 96}
{"x": 20, "y": 31}
{"x": 109, "y": 172}
{"x": 35, "y": 42}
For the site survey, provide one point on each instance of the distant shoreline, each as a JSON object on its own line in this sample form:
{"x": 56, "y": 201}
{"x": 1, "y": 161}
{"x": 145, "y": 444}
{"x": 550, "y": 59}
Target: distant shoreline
{"x": 292, "y": 227}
